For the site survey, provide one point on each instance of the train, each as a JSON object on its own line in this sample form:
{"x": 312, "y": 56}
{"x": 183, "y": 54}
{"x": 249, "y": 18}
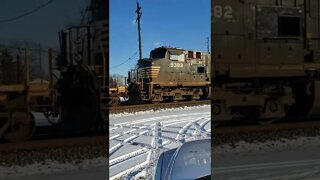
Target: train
{"x": 170, "y": 74}
{"x": 72, "y": 101}
{"x": 266, "y": 60}
{"x": 75, "y": 98}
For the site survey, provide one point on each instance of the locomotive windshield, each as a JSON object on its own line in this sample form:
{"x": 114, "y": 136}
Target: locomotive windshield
{"x": 176, "y": 55}
{"x": 158, "y": 53}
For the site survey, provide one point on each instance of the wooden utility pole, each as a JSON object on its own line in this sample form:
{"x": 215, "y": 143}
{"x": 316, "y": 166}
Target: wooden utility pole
{"x": 208, "y": 45}
{"x": 139, "y": 13}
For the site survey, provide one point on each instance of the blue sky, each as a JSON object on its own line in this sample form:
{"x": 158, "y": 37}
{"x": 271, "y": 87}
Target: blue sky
{"x": 177, "y": 23}
{"x": 42, "y": 26}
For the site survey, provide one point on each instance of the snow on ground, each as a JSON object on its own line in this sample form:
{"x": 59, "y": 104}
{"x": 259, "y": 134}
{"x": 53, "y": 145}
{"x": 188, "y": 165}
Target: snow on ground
{"x": 268, "y": 146}
{"x": 49, "y": 168}
{"x": 274, "y": 159}
{"x": 137, "y": 139}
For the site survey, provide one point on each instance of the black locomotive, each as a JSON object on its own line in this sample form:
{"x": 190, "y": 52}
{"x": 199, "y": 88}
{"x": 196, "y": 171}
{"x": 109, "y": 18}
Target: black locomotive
{"x": 266, "y": 59}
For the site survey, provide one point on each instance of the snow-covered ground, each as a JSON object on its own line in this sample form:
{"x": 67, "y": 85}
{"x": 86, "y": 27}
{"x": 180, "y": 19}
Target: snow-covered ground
{"x": 275, "y": 159}
{"x": 137, "y": 139}
{"x": 55, "y": 170}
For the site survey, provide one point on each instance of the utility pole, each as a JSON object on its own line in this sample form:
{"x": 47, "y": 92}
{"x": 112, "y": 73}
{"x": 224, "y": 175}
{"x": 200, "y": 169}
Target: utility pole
{"x": 40, "y": 61}
{"x": 139, "y": 13}
{"x": 208, "y": 45}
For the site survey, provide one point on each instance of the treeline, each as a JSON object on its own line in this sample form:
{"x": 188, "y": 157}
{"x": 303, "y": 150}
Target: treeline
{"x": 12, "y": 62}
{"x": 10, "y": 67}
{"x": 116, "y": 80}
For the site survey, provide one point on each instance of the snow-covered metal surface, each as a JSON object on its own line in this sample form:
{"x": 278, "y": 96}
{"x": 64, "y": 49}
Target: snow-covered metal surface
{"x": 137, "y": 139}
{"x": 163, "y": 164}
{"x": 190, "y": 161}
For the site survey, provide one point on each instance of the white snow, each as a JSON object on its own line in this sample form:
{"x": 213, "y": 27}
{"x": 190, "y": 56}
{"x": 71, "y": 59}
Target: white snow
{"x": 159, "y": 111}
{"x": 273, "y": 159}
{"x": 137, "y": 139}
{"x": 49, "y": 167}
{"x": 271, "y": 145}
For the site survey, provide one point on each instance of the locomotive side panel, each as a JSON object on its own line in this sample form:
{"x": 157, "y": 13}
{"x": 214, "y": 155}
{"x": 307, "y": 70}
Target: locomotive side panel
{"x": 228, "y": 28}
{"x": 279, "y": 42}
{"x": 264, "y": 59}
{"x": 258, "y": 39}
{"x": 183, "y": 73}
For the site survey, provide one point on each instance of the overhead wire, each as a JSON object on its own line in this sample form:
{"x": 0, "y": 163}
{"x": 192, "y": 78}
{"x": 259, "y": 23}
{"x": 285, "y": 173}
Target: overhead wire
{"x": 85, "y": 13}
{"x": 26, "y": 13}
{"x": 130, "y": 58}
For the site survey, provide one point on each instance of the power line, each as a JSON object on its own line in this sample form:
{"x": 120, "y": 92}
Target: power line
{"x": 130, "y": 58}
{"x": 85, "y": 13}
{"x": 27, "y": 13}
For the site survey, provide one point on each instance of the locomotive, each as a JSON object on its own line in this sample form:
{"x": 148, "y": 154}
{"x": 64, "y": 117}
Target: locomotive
{"x": 170, "y": 74}
{"x": 266, "y": 59}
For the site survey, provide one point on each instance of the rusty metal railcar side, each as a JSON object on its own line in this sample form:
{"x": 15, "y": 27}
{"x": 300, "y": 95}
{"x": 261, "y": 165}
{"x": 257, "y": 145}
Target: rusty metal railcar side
{"x": 265, "y": 59}
{"x": 18, "y": 101}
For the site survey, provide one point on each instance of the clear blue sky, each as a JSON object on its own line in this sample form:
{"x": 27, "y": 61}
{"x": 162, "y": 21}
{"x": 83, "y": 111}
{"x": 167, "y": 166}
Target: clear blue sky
{"x": 177, "y": 23}
{"x": 42, "y": 26}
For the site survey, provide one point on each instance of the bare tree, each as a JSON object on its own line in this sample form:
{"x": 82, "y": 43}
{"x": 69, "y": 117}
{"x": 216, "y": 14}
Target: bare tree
{"x": 37, "y": 57}
{"x": 118, "y": 80}
{"x": 112, "y": 83}
{"x": 8, "y": 66}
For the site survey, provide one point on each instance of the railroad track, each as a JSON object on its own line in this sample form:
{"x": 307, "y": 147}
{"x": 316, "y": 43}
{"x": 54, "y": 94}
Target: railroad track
{"x": 280, "y": 126}
{"x": 51, "y": 143}
{"x": 140, "y": 107}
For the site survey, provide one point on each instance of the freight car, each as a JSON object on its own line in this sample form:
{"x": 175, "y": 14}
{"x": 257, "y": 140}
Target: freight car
{"x": 18, "y": 101}
{"x": 75, "y": 98}
{"x": 116, "y": 94}
{"x": 266, "y": 59}
{"x": 170, "y": 74}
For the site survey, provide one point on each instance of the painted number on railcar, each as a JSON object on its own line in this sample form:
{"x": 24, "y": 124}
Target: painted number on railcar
{"x": 223, "y": 12}
{"x": 176, "y": 65}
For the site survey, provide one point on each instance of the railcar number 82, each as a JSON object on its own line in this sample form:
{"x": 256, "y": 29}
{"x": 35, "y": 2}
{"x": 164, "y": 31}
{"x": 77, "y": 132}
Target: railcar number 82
{"x": 223, "y": 12}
